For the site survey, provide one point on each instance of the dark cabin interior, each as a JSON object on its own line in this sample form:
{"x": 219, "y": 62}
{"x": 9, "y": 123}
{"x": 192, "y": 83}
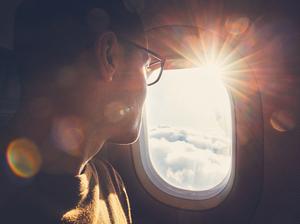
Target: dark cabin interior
{"x": 266, "y": 185}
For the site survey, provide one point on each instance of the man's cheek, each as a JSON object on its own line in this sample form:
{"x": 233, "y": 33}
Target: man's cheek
{"x": 117, "y": 111}
{"x": 134, "y": 81}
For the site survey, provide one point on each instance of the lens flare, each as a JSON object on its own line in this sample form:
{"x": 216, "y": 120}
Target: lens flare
{"x": 211, "y": 69}
{"x": 23, "y": 158}
{"x": 282, "y": 121}
{"x": 68, "y": 134}
{"x": 116, "y": 111}
{"x": 237, "y": 26}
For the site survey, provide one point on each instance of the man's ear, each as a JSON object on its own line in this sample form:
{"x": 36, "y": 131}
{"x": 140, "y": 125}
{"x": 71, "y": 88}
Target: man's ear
{"x": 107, "y": 53}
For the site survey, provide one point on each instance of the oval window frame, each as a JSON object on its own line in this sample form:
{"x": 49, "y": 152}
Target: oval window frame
{"x": 173, "y": 196}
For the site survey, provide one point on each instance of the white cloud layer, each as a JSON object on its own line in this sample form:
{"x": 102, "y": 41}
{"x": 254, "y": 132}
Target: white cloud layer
{"x": 188, "y": 160}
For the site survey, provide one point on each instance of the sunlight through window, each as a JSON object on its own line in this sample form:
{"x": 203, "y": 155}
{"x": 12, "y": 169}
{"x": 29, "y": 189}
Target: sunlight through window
{"x": 189, "y": 126}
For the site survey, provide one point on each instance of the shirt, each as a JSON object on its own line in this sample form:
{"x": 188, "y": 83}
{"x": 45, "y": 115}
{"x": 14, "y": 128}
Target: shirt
{"x": 96, "y": 196}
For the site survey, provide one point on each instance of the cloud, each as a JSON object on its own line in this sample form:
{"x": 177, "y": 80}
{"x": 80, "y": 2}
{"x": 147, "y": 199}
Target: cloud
{"x": 189, "y": 160}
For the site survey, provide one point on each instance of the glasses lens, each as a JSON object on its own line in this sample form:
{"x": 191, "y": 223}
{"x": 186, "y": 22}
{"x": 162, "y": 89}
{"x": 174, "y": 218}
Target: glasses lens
{"x": 153, "y": 75}
{"x": 153, "y": 69}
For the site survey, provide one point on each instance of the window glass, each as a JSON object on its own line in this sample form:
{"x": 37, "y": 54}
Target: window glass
{"x": 189, "y": 126}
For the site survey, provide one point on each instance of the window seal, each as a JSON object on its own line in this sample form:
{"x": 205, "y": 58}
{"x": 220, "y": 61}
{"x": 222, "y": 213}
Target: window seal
{"x": 175, "y": 197}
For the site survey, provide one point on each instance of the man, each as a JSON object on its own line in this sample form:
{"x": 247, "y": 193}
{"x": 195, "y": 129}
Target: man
{"x": 82, "y": 69}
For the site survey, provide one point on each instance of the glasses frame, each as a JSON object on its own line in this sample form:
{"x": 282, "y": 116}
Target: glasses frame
{"x": 161, "y": 60}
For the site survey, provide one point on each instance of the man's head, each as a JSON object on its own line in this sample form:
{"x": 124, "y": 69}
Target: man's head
{"x": 74, "y": 57}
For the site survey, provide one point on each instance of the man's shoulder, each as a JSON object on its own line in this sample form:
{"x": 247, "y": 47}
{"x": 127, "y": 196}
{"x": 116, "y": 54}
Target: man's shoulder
{"x": 108, "y": 174}
{"x": 110, "y": 181}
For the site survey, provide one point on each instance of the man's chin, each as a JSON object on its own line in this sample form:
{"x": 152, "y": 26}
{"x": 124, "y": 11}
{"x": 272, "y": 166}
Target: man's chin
{"x": 125, "y": 139}
{"x": 129, "y": 136}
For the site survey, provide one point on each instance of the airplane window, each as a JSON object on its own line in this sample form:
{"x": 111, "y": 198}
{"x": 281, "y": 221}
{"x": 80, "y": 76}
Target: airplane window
{"x": 188, "y": 133}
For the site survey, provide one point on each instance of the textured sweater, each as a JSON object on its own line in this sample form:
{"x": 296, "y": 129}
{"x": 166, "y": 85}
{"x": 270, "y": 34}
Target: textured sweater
{"x": 96, "y": 196}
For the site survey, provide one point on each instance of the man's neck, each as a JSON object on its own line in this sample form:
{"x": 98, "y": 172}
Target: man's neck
{"x": 55, "y": 160}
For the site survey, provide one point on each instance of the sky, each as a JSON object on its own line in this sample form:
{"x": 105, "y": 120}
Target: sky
{"x": 189, "y": 129}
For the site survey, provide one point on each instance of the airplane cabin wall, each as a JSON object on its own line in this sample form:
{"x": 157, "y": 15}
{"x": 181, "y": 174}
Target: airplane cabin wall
{"x": 279, "y": 91}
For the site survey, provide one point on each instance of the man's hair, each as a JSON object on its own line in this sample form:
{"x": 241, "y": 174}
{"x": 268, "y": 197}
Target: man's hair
{"x": 53, "y": 33}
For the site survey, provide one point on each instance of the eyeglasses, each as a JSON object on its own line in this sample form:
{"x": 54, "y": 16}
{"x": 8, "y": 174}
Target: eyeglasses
{"x": 154, "y": 66}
